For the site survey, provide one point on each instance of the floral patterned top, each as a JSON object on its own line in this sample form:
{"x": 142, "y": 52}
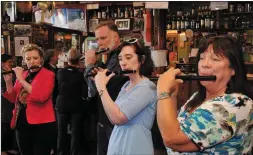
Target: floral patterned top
{"x": 223, "y": 125}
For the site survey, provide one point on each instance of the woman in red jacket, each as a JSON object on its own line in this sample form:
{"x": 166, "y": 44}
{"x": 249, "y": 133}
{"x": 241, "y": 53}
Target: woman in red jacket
{"x": 33, "y": 116}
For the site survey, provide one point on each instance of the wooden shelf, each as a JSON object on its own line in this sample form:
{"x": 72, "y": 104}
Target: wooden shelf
{"x": 237, "y": 13}
{"x": 248, "y": 63}
{"x": 71, "y": 6}
{"x": 123, "y": 3}
{"x": 216, "y": 30}
{"x": 119, "y": 18}
{"x": 60, "y": 29}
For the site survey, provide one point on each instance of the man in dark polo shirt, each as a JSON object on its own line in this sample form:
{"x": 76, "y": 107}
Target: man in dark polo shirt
{"x": 107, "y": 36}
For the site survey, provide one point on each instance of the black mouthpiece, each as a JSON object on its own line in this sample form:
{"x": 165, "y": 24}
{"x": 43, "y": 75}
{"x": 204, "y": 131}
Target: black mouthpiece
{"x": 11, "y": 71}
{"x": 197, "y": 78}
{"x": 103, "y": 50}
{"x": 122, "y": 72}
{"x": 190, "y": 78}
{"x": 116, "y": 73}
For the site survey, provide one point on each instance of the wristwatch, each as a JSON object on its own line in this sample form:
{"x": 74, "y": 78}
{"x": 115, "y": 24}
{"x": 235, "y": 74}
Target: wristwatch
{"x": 164, "y": 95}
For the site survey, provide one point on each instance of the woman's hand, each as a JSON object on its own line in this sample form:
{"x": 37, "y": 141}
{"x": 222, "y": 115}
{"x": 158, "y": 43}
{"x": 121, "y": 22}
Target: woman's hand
{"x": 101, "y": 79}
{"x": 19, "y": 73}
{"x": 23, "y": 96}
{"x": 167, "y": 81}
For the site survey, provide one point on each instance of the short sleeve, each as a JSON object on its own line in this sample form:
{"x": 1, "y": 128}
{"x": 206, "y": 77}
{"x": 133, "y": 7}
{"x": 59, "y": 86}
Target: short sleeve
{"x": 209, "y": 125}
{"x": 141, "y": 97}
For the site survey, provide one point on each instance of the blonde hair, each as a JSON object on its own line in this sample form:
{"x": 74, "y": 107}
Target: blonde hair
{"x": 31, "y": 47}
{"x": 74, "y": 56}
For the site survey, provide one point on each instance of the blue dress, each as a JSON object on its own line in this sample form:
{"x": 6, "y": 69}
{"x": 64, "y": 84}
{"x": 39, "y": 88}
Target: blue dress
{"x": 220, "y": 126}
{"x": 139, "y": 105}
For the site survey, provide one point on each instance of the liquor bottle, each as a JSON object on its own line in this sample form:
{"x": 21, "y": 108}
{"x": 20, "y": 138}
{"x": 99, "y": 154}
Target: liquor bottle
{"x": 209, "y": 10}
{"x": 104, "y": 13}
{"x": 6, "y": 17}
{"x": 169, "y": 23}
{"x": 202, "y": 21}
{"x": 112, "y": 12}
{"x": 207, "y": 21}
{"x": 199, "y": 11}
{"x": 212, "y": 22}
{"x": 182, "y": 25}
{"x": 178, "y": 23}
{"x": 226, "y": 23}
{"x": 99, "y": 14}
{"x": 140, "y": 12}
{"x": 174, "y": 22}
{"x": 115, "y": 14}
{"x": 193, "y": 23}
{"x": 122, "y": 13}
{"x": 126, "y": 12}
{"x": 197, "y": 25}
{"x": 206, "y": 10}
{"x": 95, "y": 15}
{"x": 193, "y": 9}
{"x": 118, "y": 11}
{"x": 186, "y": 22}
{"x": 131, "y": 12}
{"x": 107, "y": 13}
{"x": 202, "y": 10}
{"x": 136, "y": 10}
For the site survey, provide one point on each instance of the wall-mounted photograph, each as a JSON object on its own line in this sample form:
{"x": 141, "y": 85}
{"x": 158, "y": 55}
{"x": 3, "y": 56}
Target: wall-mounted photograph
{"x": 138, "y": 24}
{"x": 123, "y": 24}
{"x": 92, "y": 24}
{"x": 22, "y": 30}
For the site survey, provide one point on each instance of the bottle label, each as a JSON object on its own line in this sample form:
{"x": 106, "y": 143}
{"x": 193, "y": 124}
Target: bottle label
{"x": 192, "y": 24}
{"x": 174, "y": 25}
{"x": 182, "y": 25}
{"x": 169, "y": 26}
{"x": 202, "y": 22}
{"x": 212, "y": 24}
{"x": 178, "y": 25}
{"x": 186, "y": 24}
{"x": 197, "y": 25}
{"x": 103, "y": 14}
{"x": 99, "y": 14}
{"x": 207, "y": 23}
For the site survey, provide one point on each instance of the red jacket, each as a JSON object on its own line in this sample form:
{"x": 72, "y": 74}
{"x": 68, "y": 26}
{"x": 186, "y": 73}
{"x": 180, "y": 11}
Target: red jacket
{"x": 39, "y": 102}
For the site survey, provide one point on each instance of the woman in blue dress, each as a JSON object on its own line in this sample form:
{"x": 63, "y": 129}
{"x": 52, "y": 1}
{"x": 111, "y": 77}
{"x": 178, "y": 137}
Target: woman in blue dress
{"x": 134, "y": 110}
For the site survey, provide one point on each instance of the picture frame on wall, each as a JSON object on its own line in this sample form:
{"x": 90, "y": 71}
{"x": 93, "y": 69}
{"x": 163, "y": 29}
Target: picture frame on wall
{"x": 92, "y": 24}
{"x": 123, "y": 24}
{"x": 138, "y": 24}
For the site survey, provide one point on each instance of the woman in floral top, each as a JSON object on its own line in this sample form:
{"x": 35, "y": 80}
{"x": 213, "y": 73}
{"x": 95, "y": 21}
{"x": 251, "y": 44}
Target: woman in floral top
{"x": 218, "y": 119}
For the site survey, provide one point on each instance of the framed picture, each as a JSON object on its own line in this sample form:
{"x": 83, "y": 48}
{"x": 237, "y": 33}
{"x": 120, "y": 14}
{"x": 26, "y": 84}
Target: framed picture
{"x": 92, "y": 24}
{"x": 90, "y": 43}
{"x": 22, "y": 30}
{"x": 20, "y": 42}
{"x": 138, "y": 24}
{"x": 123, "y": 24}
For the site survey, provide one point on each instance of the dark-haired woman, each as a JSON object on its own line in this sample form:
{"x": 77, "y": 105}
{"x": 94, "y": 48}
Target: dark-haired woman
{"x": 218, "y": 119}
{"x": 133, "y": 112}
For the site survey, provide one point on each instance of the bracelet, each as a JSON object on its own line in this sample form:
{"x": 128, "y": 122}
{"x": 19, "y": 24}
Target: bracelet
{"x": 101, "y": 92}
{"x": 164, "y": 95}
